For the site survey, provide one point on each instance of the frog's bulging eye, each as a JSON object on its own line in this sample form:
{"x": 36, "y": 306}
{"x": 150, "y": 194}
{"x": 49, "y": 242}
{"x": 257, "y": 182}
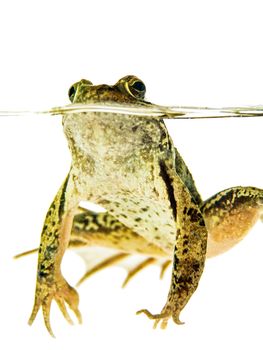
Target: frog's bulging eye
{"x": 139, "y": 86}
{"x": 78, "y": 86}
{"x": 71, "y": 93}
{"x": 132, "y": 85}
{"x": 137, "y": 89}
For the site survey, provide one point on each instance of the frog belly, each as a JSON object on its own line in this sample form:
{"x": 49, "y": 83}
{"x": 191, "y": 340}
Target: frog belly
{"x": 150, "y": 218}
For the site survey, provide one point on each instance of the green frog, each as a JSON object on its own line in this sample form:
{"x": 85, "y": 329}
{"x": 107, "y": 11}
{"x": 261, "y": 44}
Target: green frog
{"x": 129, "y": 165}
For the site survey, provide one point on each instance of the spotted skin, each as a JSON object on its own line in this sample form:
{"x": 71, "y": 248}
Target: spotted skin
{"x": 229, "y": 215}
{"x": 129, "y": 166}
{"x": 54, "y": 241}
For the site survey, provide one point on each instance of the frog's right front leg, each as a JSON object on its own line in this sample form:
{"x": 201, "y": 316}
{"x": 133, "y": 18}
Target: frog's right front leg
{"x": 189, "y": 248}
{"x": 54, "y": 241}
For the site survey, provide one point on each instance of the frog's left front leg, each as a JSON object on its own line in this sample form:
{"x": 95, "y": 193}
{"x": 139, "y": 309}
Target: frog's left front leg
{"x": 189, "y": 249}
{"x": 54, "y": 241}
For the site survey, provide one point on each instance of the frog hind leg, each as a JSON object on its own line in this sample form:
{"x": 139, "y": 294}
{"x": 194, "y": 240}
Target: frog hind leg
{"x": 102, "y": 241}
{"x": 112, "y": 260}
{"x": 229, "y": 215}
{"x": 133, "y": 264}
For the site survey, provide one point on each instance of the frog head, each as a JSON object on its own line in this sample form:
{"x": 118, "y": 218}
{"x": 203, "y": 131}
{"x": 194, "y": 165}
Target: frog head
{"x": 128, "y": 89}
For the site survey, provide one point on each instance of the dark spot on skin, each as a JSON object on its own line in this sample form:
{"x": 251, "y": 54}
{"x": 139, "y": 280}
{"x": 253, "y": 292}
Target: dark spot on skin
{"x": 114, "y": 222}
{"x": 50, "y": 251}
{"x": 45, "y": 228}
{"x": 193, "y": 201}
{"x": 184, "y": 280}
{"x": 124, "y": 216}
{"x": 190, "y": 211}
{"x": 63, "y": 198}
{"x": 42, "y": 274}
{"x": 175, "y": 262}
{"x": 53, "y": 223}
{"x": 195, "y": 216}
{"x": 95, "y": 219}
{"x": 169, "y": 188}
{"x": 146, "y": 139}
{"x": 185, "y": 242}
{"x": 202, "y": 222}
{"x": 145, "y": 209}
{"x": 86, "y": 222}
{"x": 137, "y": 219}
{"x": 185, "y": 251}
{"x": 157, "y": 237}
{"x": 196, "y": 266}
{"x": 156, "y": 228}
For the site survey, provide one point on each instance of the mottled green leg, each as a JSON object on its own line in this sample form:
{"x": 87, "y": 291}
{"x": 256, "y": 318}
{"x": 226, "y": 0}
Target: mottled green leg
{"x": 103, "y": 230}
{"x": 229, "y": 215}
{"x": 189, "y": 249}
{"x": 54, "y": 241}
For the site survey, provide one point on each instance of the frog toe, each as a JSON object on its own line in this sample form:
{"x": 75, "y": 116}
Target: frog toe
{"x": 61, "y": 304}
{"x": 63, "y": 294}
{"x": 163, "y": 317}
{"x": 71, "y": 297}
{"x": 45, "y": 304}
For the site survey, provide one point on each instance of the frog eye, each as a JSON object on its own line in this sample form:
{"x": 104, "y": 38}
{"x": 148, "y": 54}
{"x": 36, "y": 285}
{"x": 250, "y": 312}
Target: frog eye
{"x": 137, "y": 88}
{"x": 72, "y": 92}
{"x": 73, "y": 89}
{"x": 132, "y": 85}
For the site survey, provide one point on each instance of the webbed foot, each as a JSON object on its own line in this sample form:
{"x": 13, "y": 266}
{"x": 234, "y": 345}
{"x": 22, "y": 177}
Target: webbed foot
{"x": 62, "y": 293}
{"x": 166, "y": 313}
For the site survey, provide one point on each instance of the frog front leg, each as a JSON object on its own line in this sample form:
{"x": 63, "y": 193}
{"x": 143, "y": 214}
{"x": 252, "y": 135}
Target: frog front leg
{"x": 54, "y": 241}
{"x": 189, "y": 249}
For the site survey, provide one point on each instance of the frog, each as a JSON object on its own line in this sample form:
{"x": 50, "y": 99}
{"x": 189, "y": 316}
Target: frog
{"x": 129, "y": 165}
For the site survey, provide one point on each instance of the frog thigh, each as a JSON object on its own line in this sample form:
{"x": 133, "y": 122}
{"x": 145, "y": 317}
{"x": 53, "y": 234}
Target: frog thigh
{"x": 102, "y": 241}
{"x": 229, "y": 215}
{"x": 103, "y": 230}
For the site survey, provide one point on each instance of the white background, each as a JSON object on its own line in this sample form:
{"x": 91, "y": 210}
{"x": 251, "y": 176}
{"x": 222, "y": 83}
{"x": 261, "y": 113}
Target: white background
{"x": 187, "y": 52}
